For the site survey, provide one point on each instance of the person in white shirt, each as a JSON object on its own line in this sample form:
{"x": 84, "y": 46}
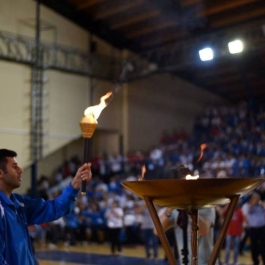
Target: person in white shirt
{"x": 114, "y": 217}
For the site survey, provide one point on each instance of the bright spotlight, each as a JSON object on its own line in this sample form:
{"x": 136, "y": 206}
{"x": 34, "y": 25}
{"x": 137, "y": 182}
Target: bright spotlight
{"x": 206, "y": 54}
{"x": 235, "y": 46}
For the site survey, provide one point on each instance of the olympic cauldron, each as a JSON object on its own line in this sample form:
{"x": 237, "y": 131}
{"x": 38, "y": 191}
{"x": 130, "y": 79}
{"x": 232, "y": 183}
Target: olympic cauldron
{"x": 192, "y": 195}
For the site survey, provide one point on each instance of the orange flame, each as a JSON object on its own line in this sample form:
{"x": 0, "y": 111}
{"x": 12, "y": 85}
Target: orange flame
{"x": 143, "y": 172}
{"x": 189, "y": 177}
{"x": 203, "y": 146}
{"x": 95, "y": 111}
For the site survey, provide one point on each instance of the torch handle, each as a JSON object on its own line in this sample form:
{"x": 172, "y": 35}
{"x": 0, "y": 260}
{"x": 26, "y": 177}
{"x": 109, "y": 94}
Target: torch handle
{"x": 87, "y": 158}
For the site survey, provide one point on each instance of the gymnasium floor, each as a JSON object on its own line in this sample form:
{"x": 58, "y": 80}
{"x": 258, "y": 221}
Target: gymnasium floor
{"x": 94, "y": 254}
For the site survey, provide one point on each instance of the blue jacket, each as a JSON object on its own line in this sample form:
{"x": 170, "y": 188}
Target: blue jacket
{"x": 17, "y": 213}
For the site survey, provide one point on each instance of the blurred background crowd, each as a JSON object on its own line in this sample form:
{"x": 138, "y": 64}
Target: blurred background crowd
{"x": 234, "y": 137}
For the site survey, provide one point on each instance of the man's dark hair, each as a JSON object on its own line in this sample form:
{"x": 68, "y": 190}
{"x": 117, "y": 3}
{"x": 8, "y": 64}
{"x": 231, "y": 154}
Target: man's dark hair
{"x": 4, "y": 153}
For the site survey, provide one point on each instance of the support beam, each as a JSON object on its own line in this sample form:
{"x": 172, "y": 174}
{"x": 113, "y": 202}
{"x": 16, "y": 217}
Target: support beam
{"x": 135, "y": 19}
{"x": 88, "y": 4}
{"x": 219, "y": 6}
{"x": 151, "y": 29}
{"x": 238, "y": 17}
{"x": 115, "y": 10}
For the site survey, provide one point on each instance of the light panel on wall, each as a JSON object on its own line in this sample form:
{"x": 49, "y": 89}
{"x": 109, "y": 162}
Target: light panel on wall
{"x": 206, "y": 54}
{"x": 235, "y": 46}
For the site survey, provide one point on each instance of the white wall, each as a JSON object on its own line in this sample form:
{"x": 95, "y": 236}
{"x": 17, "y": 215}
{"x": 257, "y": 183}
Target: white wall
{"x": 15, "y": 109}
{"x": 163, "y": 102}
{"x": 18, "y": 16}
{"x": 67, "y": 98}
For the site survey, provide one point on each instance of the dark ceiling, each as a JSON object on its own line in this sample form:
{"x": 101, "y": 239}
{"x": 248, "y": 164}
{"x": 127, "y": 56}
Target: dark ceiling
{"x": 169, "y": 33}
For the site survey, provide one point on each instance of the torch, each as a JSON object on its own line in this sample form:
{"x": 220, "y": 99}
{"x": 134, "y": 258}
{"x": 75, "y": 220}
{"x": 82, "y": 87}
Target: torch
{"x": 88, "y": 125}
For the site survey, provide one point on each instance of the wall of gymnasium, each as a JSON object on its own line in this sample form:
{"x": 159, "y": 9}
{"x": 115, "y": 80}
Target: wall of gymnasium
{"x": 163, "y": 103}
{"x": 139, "y": 111}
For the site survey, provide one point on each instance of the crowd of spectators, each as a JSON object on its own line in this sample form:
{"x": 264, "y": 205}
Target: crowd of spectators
{"x": 235, "y": 140}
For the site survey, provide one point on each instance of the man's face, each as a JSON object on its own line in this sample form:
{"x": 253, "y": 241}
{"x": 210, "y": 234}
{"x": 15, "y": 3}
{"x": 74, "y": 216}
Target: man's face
{"x": 11, "y": 177}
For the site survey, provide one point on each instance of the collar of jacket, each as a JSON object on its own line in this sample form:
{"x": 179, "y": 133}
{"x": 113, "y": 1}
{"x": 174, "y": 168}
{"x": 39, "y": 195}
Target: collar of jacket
{"x": 11, "y": 202}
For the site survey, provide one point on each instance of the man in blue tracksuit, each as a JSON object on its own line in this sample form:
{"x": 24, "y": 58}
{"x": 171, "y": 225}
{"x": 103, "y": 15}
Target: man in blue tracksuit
{"x": 18, "y": 212}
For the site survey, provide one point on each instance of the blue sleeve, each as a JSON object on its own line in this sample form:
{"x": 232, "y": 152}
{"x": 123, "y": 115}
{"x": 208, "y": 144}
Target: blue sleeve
{"x": 2, "y": 242}
{"x": 39, "y": 211}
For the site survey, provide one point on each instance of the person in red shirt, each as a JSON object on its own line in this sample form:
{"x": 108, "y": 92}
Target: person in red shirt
{"x": 234, "y": 233}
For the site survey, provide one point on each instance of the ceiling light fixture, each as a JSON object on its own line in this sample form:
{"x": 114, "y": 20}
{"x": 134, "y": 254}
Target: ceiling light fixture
{"x": 235, "y": 46}
{"x": 206, "y": 54}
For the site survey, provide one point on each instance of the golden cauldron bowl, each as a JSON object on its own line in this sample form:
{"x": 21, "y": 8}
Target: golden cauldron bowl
{"x": 195, "y": 194}
{"x": 192, "y": 195}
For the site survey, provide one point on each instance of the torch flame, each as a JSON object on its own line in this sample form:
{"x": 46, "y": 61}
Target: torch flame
{"x": 96, "y": 110}
{"x": 203, "y": 146}
{"x": 196, "y": 176}
{"x": 143, "y": 172}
